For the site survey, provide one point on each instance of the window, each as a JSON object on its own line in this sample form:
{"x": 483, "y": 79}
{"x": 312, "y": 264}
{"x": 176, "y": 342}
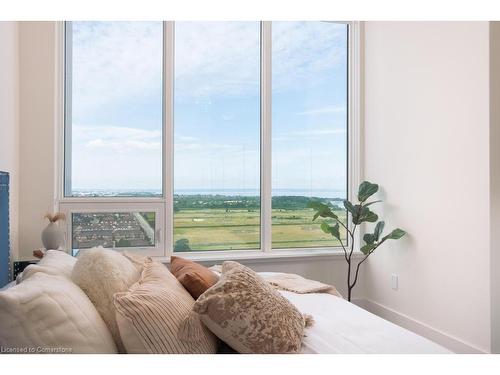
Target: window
{"x": 113, "y": 109}
{"x": 309, "y": 113}
{"x": 203, "y": 136}
{"x": 131, "y": 226}
{"x": 217, "y": 136}
{"x": 113, "y": 229}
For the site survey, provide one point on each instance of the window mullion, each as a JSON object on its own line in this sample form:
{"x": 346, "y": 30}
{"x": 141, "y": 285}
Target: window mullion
{"x": 265, "y": 135}
{"x": 67, "y": 68}
{"x": 354, "y": 119}
{"x": 168, "y": 133}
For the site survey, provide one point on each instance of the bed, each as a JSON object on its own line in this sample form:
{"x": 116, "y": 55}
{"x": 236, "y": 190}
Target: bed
{"x": 343, "y": 328}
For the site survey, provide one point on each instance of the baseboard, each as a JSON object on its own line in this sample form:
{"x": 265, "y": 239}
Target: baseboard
{"x": 422, "y": 329}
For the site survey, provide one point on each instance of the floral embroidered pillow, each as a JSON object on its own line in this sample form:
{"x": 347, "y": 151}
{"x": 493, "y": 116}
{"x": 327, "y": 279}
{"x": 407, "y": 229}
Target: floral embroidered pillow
{"x": 245, "y": 312}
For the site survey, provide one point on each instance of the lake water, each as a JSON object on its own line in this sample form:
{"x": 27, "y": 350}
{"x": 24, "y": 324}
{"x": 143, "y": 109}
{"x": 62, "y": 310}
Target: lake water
{"x": 229, "y": 192}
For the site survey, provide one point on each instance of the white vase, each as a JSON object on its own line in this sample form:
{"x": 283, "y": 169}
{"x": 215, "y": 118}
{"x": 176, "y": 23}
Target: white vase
{"x": 52, "y": 237}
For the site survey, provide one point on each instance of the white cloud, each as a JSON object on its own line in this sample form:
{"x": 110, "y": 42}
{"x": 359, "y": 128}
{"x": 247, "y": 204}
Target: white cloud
{"x": 324, "y": 110}
{"x": 223, "y": 58}
{"x": 114, "y": 157}
{"x": 217, "y": 58}
{"x": 120, "y": 157}
{"x": 308, "y": 167}
{"x": 207, "y": 148}
{"x": 124, "y": 145}
{"x": 227, "y": 117}
{"x": 319, "y": 132}
{"x": 114, "y": 138}
{"x": 185, "y": 138}
{"x": 309, "y": 134}
{"x": 302, "y": 50}
{"x": 116, "y": 60}
{"x": 119, "y": 61}
{"x": 211, "y": 169}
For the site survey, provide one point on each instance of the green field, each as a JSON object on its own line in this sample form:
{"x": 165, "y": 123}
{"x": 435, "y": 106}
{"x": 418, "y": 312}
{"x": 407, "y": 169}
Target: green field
{"x": 198, "y": 229}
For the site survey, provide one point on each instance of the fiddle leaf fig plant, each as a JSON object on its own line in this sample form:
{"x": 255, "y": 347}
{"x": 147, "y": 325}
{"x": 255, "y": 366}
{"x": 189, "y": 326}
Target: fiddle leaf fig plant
{"x": 359, "y": 213}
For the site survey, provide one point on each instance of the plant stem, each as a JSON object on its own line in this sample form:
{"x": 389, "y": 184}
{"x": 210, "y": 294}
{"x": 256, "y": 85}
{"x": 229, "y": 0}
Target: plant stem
{"x": 349, "y": 279}
{"x": 343, "y": 248}
{"x": 345, "y": 226}
{"x": 349, "y": 285}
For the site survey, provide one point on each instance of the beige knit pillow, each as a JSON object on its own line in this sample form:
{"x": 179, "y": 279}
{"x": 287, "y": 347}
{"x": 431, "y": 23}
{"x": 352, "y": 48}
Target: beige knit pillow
{"x": 245, "y": 312}
{"x": 150, "y": 312}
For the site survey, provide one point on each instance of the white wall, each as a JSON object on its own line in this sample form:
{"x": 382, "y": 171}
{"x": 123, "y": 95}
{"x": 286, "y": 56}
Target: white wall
{"x": 9, "y": 129}
{"x": 427, "y": 145}
{"x": 37, "y": 133}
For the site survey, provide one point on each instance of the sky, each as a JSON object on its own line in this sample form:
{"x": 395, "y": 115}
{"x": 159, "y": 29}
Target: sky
{"x": 117, "y": 112}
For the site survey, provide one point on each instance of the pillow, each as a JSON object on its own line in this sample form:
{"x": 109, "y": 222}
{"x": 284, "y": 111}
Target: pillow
{"x": 101, "y": 273}
{"x": 245, "y": 312}
{"x": 150, "y": 313}
{"x": 193, "y": 276}
{"x": 50, "y": 314}
{"x": 54, "y": 262}
{"x": 136, "y": 259}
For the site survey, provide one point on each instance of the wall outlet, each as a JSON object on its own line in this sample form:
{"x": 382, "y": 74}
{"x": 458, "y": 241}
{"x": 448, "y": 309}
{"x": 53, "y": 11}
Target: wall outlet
{"x": 394, "y": 281}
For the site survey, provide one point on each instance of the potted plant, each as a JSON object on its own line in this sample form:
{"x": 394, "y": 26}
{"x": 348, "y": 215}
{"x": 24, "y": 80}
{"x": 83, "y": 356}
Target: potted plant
{"x": 359, "y": 213}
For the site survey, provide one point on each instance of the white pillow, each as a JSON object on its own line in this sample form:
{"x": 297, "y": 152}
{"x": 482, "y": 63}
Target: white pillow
{"x": 101, "y": 273}
{"x": 54, "y": 262}
{"x": 50, "y": 314}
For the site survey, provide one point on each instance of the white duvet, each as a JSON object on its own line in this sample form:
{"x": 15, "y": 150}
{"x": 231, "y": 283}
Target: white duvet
{"x": 342, "y": 327}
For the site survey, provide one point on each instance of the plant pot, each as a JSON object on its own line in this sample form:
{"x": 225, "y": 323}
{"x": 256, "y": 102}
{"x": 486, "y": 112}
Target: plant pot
{"x": 52, "y": 237}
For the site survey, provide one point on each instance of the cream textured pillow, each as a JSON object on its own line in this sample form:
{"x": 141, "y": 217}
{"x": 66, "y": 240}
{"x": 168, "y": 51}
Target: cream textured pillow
{"x": 150, "y": 312}
{"x": 245, "y": 312}
{"x": 101, "y": 273}
{"x": 54, "y": 262}
{"x": 136, "y": 259}
{"x": 50, "y": 314}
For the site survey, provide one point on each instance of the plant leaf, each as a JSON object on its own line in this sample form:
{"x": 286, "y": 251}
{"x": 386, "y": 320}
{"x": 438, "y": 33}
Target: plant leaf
{"x": 367, "y": 248}
{"x": 370, "y": 217}
{"x": 325, "y": 228}
{"x": 348, "y": 206}
{"x": 321, "y": 210}
{"x": 369, "y": 238}
{"x": 364, "y": 216}
{"x": 314, "y": 204}
{"x": 334, "y": 230}
{"x": 370, "y": 203}
{"x": 353, "y": 210}
{"x": 379, "y": 228}
{"x": 366, "y": 190}
{"x": 396, "y": 234}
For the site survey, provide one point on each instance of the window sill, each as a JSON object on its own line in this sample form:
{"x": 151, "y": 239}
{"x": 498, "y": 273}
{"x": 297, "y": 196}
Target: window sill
{"x": 249, "y": 256}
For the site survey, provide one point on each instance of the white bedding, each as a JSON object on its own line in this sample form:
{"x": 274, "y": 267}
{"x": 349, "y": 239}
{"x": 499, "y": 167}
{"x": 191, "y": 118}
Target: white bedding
{"x": 342, "y": 327}
{"x": 7, "y": 286}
